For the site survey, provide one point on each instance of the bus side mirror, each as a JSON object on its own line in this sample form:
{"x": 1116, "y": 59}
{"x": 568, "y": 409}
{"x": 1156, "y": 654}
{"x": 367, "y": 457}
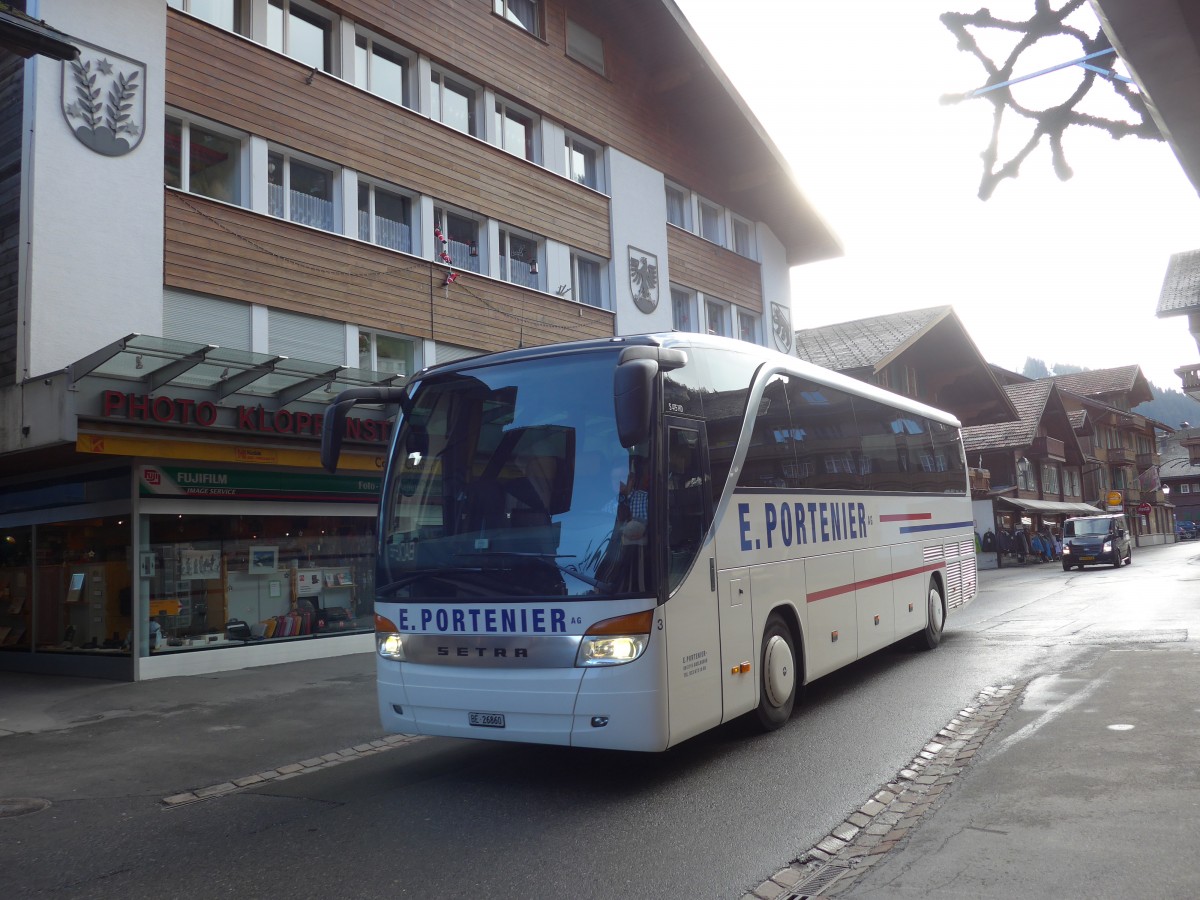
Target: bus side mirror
{"x": 333, "y": 424}
{"x": 633, "y": 396}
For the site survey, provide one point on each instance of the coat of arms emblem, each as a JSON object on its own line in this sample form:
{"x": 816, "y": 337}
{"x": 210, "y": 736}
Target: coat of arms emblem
{"x": 781, "y": 327}
{"x": 104, "y": 100}
{"x": 643, "y": 279}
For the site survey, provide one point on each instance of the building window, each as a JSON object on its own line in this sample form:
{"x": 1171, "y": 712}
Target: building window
{"x": 583, "y": 162}
{"x": 515, "y": 130}
{"x": 748, "y": 327}
{"x": 452, "y": 102}
{"x": 1184, "y": 488}
{"x": 301, "y": 33}
{"x": 522, "y": 13}
{"x": 519, "y": 260}
{"x": 1025, "y": 475}
{"x": 381, "y": 70}
{"x": 385, "y": 353}
{"x": 716, "y": 315}
{"x": 683, "y": 310}
{"x": 587, "y": 280}
{"x": 384, "y": 218}
{"x": 743, "y": 237}
{"x": 679, "y": 206}
{"x": 712, "y": 222}
{"x": 214, "y": 161}
{"x": 1050, "y": 479}
{"x": 585, "y": 47}
{"x": 300, "y": 191}
{"x": 227, "y": 14}
{"x": 461, "y": 234}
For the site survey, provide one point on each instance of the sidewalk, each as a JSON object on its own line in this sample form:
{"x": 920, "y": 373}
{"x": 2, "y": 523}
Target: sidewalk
{"x": 60, "y": 735}
{"x": 1088, "y": 788}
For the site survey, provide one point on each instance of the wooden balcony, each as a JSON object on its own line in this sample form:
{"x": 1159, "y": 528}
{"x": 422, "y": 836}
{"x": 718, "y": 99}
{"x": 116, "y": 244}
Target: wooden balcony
{"x": 1044, "y": 447}
{"x": 1146, "y": 460}
{"x": 981, "y": 480}
{"x": 1120, "y": 456}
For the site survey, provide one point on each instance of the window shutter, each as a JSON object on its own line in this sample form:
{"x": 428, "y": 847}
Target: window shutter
{"x": 306, "y": 337}
{"x": 205, "y": 320}
{"x": 450, "y": 352}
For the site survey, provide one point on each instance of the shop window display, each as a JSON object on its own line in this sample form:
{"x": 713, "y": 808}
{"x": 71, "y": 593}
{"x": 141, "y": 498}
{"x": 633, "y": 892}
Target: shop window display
{"x": 217, "y": 581}
{"x": 69, "y": 592}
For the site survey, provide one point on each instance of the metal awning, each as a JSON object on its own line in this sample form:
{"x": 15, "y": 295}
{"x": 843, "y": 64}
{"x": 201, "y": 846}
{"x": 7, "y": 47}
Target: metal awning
{"x": 1052, "y": 507}
{"x": 155, "y": 362}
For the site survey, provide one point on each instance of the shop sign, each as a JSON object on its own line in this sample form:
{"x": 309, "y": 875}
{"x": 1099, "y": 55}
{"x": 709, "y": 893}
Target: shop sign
{"x": 1115, "y": 500}
{"x": 229, "y": 484}
{"x": 1144, "y": 509}
{"x": 160, "y": 409}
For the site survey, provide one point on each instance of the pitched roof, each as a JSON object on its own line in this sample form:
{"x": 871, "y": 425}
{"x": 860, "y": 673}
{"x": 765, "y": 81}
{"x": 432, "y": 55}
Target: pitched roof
{"x": 866, "y": 343}
{"x": 1180, "y": 292}
{"x": 1099, "y": 382}
{"x": 1029, "y": 399}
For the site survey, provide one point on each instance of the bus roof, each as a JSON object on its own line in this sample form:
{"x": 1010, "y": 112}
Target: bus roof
{"x": 683, "y": 340}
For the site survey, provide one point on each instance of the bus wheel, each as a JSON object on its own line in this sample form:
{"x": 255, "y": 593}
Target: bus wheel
{"x": 777, "y": 674}
{"x": 931, "y": 636}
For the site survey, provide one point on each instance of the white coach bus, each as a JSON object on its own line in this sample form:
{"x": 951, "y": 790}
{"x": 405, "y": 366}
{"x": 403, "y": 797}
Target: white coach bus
{"x": 623, "y": 543}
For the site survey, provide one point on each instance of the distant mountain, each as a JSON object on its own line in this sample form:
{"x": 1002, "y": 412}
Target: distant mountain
{"x": 1169, "y": 406}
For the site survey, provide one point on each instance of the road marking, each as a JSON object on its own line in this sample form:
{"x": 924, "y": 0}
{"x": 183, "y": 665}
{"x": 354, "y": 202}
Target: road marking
{"x": 291, "y": 770}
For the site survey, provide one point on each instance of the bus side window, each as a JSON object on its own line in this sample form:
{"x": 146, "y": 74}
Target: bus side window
{"x": 687, "y": 516}
{"x": 730, "y": 375}
{"x": 771, "y": 456}
{"x": 831, "y": 452}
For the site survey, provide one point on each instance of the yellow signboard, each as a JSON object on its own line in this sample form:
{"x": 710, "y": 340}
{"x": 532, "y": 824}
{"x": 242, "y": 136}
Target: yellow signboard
{"x": 1115, "y": 499}
{"x": 121, "y": 445}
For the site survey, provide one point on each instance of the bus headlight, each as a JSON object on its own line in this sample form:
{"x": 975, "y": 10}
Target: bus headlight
{"x": 1066, "y": 549}
{"x": 389, "y": 642}
{"x": 1108, "y": 546}
{"x": 612, "y": 642}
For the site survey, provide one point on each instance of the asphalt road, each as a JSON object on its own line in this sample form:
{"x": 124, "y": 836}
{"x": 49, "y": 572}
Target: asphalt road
{"x": 439, "y": 817}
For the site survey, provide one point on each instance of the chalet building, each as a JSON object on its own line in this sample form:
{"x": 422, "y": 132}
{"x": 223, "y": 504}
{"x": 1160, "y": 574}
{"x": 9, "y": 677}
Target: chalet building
{"x": 1179, "y": 472}
{"x": 1123, "y": 448}
{"x": 1035, "y": 463}
{"x": 219, "y": 214}
{"x": 925, "y": 354}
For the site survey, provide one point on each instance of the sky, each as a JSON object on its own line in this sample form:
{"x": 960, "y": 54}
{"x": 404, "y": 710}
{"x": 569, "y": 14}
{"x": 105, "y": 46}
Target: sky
{"x": 1063, "y": 271}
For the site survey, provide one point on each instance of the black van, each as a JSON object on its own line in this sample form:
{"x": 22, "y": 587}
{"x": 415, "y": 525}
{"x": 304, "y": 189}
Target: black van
{"x": 1096, "y": 539}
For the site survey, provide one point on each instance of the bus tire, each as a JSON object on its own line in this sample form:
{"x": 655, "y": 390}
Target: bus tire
{"x": 777, "y": 674}
{"x": 929, "y": 637}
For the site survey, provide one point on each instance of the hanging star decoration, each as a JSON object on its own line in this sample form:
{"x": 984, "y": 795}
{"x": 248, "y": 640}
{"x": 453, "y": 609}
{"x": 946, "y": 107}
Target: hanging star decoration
{"x": 1053, "y": 121}
{"x": 451, "y": 276}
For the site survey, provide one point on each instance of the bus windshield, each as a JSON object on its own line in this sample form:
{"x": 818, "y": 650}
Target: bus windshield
{"x": 508, "y": 481}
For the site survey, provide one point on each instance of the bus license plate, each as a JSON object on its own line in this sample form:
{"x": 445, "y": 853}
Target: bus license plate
{"x": 486, "y": 720}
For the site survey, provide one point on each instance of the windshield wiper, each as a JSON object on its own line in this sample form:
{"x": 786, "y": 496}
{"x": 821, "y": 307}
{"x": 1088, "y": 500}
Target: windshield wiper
{"x": 550, "y": 559}
{"x": 441, "y": 573}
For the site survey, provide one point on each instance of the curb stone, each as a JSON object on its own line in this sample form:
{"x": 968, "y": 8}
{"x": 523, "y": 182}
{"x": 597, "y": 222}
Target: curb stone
{"x": 291, "y": 770}
{"x": 888, "y": 818}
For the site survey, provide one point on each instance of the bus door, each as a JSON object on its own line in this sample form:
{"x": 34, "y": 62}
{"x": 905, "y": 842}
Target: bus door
{"x": 693, "y": 626}
{"x": 689, "y": 499}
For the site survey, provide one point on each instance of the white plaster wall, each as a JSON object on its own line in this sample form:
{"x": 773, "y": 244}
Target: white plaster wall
{"x": 776, "y": 283}
{"x": 639, "y": 219}
{"x": 94, "y": 223}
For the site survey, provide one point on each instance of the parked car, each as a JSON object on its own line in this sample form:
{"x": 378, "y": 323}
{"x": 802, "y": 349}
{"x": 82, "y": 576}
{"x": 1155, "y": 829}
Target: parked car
{"x": 1185, "y": 531}
{"x": 1088, "y": 540}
